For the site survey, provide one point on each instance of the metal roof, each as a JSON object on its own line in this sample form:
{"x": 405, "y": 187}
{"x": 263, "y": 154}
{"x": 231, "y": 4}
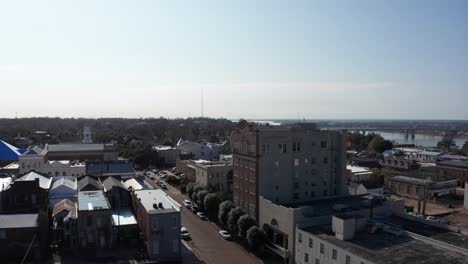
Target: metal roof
{"x": 65, "y": 182}
{"x": 92, "y": 200}
{"x": 8, "y": 152}
{"x": 123, "y": 217}
{"x": 112, "y": 182}
{"x": 65, "y": 205}
{"x": 44, "y": 182}
{"x": 18, "y": 221}
{"x": 88, "y": 181}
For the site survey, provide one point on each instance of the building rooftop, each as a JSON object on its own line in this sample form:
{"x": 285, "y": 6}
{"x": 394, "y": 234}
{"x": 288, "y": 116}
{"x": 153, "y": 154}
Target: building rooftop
{"x": 68, "y": 206}
{"x": 138, "y": 184}
{"x": 4, "y": 183}
{"x": 65, "y": 182}
{"x": 162, "y": 148}
{"x": 112, "y": 182}
{"x": 92, "y": 200}
{"x": 33, "y": 151}
{"x": 428, "y": 153}
{"x": 385, "y": 248}
{"x": 44, "y": 181}
{"x": 454, "y": 163}
{"x": 70, "y": 147}
{"x": 358, "y": 169}
{"x": 88, "y": 181}
{"x": 9, "y": 152}
{"x": 420, "y": 181}
{"x": 18, "y": 221}
{"x": 110, "y": 168}
{"x": 150, "y": 199}
{"x": 123, "y": 217}
{"x": 12, "y": 166}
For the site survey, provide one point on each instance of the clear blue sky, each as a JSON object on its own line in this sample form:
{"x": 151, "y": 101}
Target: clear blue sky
{"x": 254, "y": 59}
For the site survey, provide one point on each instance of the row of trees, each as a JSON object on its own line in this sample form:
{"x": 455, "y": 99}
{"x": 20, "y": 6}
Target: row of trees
{"x": 372, "y": 142}
{"x": 223, "y": 212}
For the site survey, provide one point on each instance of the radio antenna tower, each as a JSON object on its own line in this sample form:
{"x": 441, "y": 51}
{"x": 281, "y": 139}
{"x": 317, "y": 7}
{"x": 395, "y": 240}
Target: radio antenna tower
{"x": 202, "y": 102}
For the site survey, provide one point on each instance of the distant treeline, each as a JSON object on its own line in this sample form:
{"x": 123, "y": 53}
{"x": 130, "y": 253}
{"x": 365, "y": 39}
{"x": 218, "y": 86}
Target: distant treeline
{"x": 148, "y": 130}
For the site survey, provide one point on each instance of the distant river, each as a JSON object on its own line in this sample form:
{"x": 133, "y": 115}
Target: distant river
{"x": 418, "y": 139}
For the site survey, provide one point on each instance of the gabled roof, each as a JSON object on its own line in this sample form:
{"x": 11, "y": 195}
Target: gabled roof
{"x": 187, "y": 146}
{"x": 65, "y": 205}
{"x": 18, "y": 221}
{"x": 112, "y": 182}
{"x": 65, "y": 182}
{"x": 44, "y": 181}
{"x": 8, "y": 152}
{"x": 88, "y": 181}
{"x": 33, "y": 151}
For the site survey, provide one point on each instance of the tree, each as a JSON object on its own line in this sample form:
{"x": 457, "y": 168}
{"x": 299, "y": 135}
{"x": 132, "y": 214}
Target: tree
{"x": 183, "y": 189}
{"x": 189, "y": 189}
{"x": 378, "y": 144}
{"x": 244, "y": 223}
{"x": 211, "y": 204}
{"x": 464, "y": 150}
{"x": 256, "y": 238}
{"x": 224, "y": 209}
{"x": 201, "y": 199}
{"x": 233, "y": 217}
{"x": 194, "y": 195}
{"x": 446, "y": 143}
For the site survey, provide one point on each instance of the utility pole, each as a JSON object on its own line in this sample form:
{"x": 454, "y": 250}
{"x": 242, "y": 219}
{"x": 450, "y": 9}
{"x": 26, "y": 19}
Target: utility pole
{"x": 202, "y": 102}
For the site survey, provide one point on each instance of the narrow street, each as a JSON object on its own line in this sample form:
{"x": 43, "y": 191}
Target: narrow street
{"x": 206, "y": 242}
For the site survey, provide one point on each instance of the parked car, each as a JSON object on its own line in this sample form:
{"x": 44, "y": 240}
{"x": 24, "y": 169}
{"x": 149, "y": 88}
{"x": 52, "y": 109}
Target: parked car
{"x": 187, "y": 204}
{"x": 202, "y": 216}
{"x": 225, "y": 234}
{"x": 185, "y": 234}
{"x": 194, "y": 209}
{"x": 433, "y": 219}
{"x": 164, "y": 186}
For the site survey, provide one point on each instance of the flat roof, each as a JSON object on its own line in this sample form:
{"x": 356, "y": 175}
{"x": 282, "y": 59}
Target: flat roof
{"x": 357, "y": 169}
{"x": 69, "y": 147}
{"x": 149, "y": 198}
{"x": 385, "y": 248}
{"x": 123, "y": 217}
{"x": 92, "y": 200}
{"x": 18, "y": 221}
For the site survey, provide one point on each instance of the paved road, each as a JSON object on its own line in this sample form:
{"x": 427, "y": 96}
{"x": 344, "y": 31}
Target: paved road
{"x": 206, "y": 243}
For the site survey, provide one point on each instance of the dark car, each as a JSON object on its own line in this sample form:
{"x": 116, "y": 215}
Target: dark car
{"x": 194, "y": 209}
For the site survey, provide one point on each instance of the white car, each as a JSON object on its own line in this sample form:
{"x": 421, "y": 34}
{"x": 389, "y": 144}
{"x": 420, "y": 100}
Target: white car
{"x": 184, "y": 233}
{"x": 225, "y": 234}
{"x": 202, "y": 216}
{"x": 433, "y": 219}
{"x": 187, "y": 204}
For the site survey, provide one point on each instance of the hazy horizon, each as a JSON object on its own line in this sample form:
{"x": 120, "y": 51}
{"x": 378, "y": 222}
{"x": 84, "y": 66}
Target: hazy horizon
{"x": 318, "y": 60}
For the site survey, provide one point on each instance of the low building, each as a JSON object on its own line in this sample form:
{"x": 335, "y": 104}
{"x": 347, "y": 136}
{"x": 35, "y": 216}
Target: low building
{"x": 357, "y": 174}
{"x": 64, "y": 224}
{"x": 187, "y": 168}
{"x": 81, "y": 152}
{"x": 27, "y": 194}
{"x": 453, "y": 168}
{"x": 279, "y": 221}
{"x": 89, "y": 184}
{"x": 121, "y": 169}
{"x": 94, "y": 224}
{"x": 63, "y": 188}
{"x": 399, "y": 164}
{"x": 10, "y": 169}
{"x": 205, "y": 151}
{"x": 216, "y": 174}
{"x": 416, "y": 187}
{"x": 35, "y": 159}
{"x": 365, "y": 188}
{"x": 117, "y": 193}
{"x": 138, "y": 184}
{"x": 167, "y": 154}
{"x": 158, "y": 217}
{"x": 354, "y": 240}
{"x": 20, "y": 237}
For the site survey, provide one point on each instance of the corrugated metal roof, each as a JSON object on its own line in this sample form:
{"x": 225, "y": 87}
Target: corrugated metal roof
{"x": 65, "y": 205}
{"x": 8, "y": 152}
{"x": 65, "y": 182}
{"x": 88, "y": 181}
{"x": 123, "y": 217}
{"x": 112, "y": 182}
{"x": 18, "y": 221}
{"x": 92, "y": 200}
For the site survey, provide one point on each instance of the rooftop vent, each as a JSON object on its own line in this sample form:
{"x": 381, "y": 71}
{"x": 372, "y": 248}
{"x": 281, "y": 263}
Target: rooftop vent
{"x": 160, "y": 205}
{"x": 155, "y": 206}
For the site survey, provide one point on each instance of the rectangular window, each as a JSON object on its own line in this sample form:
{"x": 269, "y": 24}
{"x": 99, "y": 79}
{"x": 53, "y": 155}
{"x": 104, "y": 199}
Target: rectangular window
{"x": 334, "y": 254}
{"x": 322, "y": 248}
{"x": 296, "y": 185}
{"x": 299, "y": 237}
{"x": 2, "y": 234}
{"x": 296, "y": 147}
{"x": 323, "y": 144}
{"x": 296, "y": 196}
{"x": 348, "y": 259}
{"x": 282, "y": 148}
{"x": 311, "y": 243}
{"x": 174, "y": 221}
{"x": 174, "y": 246}
{"x": 306, "y": 258}
{"x": 325, "y": 160}
{"x": 296, "y": 162}
{"x": 156, "y": 247}
{"x": 317, "y": 261}
{"x": 155, "y": 224}
{"x": 362, "y": 262}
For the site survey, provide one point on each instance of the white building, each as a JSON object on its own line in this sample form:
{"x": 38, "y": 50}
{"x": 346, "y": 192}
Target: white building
{"x": 357, "y": 174}
{"x": 354, "y": 240}
{"x": 33, "y": 159}
{"x": 205, "y": 151}
{"x": 217, "y": 174}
